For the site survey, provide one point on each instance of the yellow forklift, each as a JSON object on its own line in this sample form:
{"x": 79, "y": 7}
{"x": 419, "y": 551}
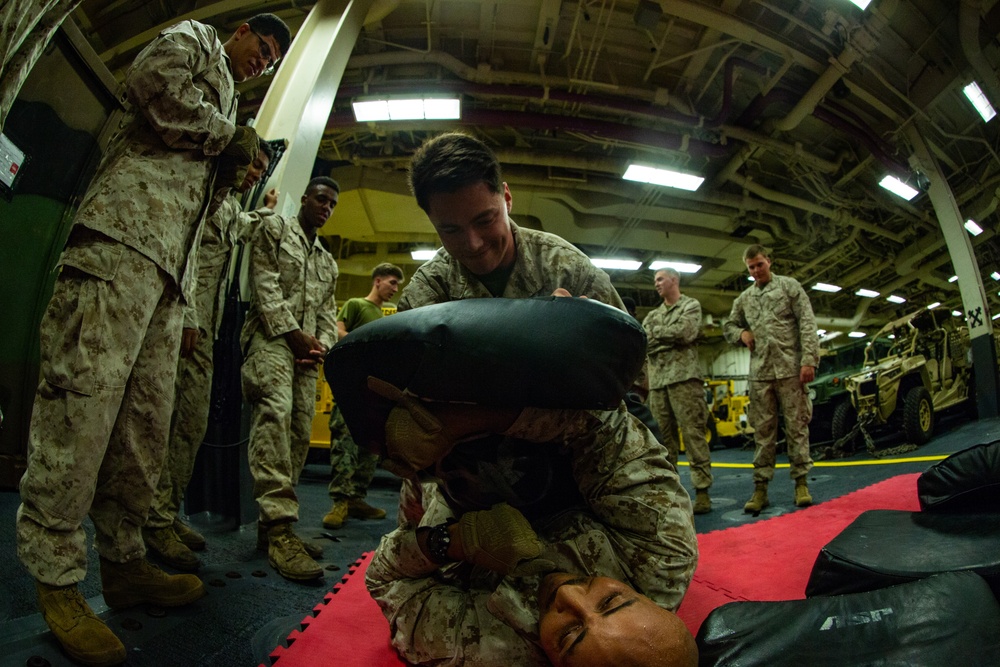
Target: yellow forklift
{"x": 728, "y": 413}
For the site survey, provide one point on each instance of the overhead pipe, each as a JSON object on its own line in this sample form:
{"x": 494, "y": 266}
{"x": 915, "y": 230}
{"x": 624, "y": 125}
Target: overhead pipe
{"x": 845, "y": 323}
{"x": 837, "y": 248}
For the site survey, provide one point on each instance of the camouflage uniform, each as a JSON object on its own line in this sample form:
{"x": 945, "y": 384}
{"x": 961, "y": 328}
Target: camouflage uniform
{"x": 635, "y": 525}
{"x": 293, "y": 283}
{"x": 111, "y": 333}
{"x": 676, "y": 388}
{"x": 351, "y": 468}
{"x": 193, "y": 389}
{"x": 544, "y": 262}
{"x": 781, "y": 319}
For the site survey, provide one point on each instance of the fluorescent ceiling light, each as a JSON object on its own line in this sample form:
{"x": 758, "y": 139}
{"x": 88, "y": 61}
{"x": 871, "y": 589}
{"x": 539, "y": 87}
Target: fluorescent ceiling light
{"x": 995, "y": 275}
{"x": 995, "y": 316}
{"x": 820, "y": 332}
{"x": 422, "y": 255}
{"x": 751, "y": 279}
{"x": 952, "y": 279}
{"x": 824, "y": 287}
{"x": 863, "y": 4}
{"x": 857, "y": 334}
{"x": 620, "y": 264}
{"x": 679, "y": 267}
{"x": 978, "y": 99}
{"x": 956, "y": 313}
{"x": 934, "y": 305}
{"x": 891, "y": 336}
{"x": 429, "y": 108}
{"x": 667, "y": 177}
{"x": 973, "y": 228}
{"x": 898, "y": 188}
{"x": 895, "y": 299}
{"x": 871, "y": 294}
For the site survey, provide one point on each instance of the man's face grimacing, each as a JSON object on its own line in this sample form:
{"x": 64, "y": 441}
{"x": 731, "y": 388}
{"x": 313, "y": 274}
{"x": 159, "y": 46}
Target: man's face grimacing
{"x": 318, "y": 204}
{"x": 387, "y": 287}
{"x": 255, "y": 170}
{"x": 586, "y": 621}
{"x": 474, "y": 227}
{"x": 760, "y": 269}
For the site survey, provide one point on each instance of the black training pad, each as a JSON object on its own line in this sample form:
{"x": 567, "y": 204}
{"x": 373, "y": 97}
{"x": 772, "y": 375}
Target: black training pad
{"x": 545, "y": 352}
{"x": 947, "y": 620}
{"x": 885, "y": 547}
{"x": 967, "y": 481}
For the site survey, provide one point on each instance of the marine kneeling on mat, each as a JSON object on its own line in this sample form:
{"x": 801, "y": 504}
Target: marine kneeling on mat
{"x": 526, "y": 534}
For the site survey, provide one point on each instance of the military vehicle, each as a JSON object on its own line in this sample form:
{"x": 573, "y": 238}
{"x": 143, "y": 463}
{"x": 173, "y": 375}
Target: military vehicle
{"x": 828, "y": 390}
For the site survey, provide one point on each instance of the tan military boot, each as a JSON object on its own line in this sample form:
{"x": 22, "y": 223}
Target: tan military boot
{"x": 194, "y": 540}
{"x": 702, "y": 503}
{"x": 314, "y": 550}
{"x": 165, "y": 544}
{"x": 83, "y": 636}
{"x": 357, "y": 508}
{"x": 287, "y": 555}
{"x": 758, "y": 500}
{"x": 802, "y": 497}
{"x": 138, "y": 582}
{"x": 335, "y": 518}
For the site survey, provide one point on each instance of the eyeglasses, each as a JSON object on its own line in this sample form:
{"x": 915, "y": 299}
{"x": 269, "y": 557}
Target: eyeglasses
{"x": 264, "y": 49}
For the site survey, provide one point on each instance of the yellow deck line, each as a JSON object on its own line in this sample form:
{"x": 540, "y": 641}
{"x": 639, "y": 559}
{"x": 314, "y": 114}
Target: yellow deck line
{"x": 836, "y": 464}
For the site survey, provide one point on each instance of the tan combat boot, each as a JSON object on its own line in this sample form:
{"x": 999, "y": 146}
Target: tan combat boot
{"x": 357, "y": 508}
{"x": 335, "y": 518}
{"x": 702, "y": 503}
{"x": 138, "y": 582}
{"x": 194, "y": 540}
{"x": 287, "y": 555}
{"x": 83, "y": 636}
{"x": 802, "y": 497}
{"x": 166, "y": 545}
{"x": 758, "y": 500}
{"x": 314, "y": 550}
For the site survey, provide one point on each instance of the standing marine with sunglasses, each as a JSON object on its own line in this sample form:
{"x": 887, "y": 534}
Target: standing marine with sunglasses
{"x": 111, "y": 334}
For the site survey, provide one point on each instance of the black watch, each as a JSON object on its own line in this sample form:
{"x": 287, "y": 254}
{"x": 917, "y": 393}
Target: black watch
{"x": 438, "y": 541}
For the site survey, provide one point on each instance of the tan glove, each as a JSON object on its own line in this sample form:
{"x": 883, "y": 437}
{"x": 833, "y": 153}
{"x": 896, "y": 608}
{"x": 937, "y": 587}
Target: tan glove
{"x": 414, "y": 438}
{"x": 499, "y": 539}
{"x": 244, "y": 145}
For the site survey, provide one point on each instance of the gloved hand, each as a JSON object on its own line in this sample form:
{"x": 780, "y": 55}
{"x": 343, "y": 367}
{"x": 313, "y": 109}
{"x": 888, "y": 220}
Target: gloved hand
{"x": 414, "y": 438}
{"x": 500, "y": 539}
{"x": 231, "y": 173}
{"x": 244, "y": 145}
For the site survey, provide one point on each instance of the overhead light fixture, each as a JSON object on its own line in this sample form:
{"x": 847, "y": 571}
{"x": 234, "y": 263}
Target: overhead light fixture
{"x": 952, "y": 279}
{"x": 679, "y": 267}
{"x": 995, "y": 316}
{"x": 978, "y": 99}
{"x": 956, "y": 313}
{"x": 667, "y": 177}
{"x": 973, "y": 228}
{"x": 934, "y": 305}
{"x": 868, "y": 293}
{"x": 895, "y": 299}
{"x": 616, "y": 264}
{"x": 857, "y": 334}
{"x": 824, "y": 287}
{"x": 751, "y": 279}
{"x": 995, "y": 275}
{"x": 820, "y": 332}
{"x": 898, "y": 188}
{"x": 863, "y": 4}
{"x": 419, "y": 108}
{"x": 422, "y": 255}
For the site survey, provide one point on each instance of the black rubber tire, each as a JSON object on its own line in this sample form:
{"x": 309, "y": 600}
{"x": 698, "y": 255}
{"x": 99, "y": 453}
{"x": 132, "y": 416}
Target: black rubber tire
{"x": 843, "y": 420}
{"x": 714, "y": 441}
{"x": 918, "y": 415}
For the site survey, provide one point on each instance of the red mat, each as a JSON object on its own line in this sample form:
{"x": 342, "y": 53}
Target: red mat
{"x": 763, "y": 560}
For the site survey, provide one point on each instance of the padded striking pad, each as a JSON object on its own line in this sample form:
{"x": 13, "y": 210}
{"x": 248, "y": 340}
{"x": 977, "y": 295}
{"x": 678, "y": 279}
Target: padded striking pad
{"x": 885, "y": 547}
{"x": 948, "y": 619}
{"x": 966, "y": 481}
{"x": 545, "y": 352}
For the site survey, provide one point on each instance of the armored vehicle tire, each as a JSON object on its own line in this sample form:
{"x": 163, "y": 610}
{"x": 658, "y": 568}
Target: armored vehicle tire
{"x": 918, "y": 415}
{"x": 843, "y": 421}
{"x": 712, "y": 434}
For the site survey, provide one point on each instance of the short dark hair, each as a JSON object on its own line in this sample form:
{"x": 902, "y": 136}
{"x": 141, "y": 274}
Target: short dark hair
{"x": 269, "y": 24}
{"x": 449, "y": 162}
{"x": 267, "y": 149}
{"x": 754, "y": 250}
{"x": 386, "y": 269}
{"x": 323, "y": 180}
